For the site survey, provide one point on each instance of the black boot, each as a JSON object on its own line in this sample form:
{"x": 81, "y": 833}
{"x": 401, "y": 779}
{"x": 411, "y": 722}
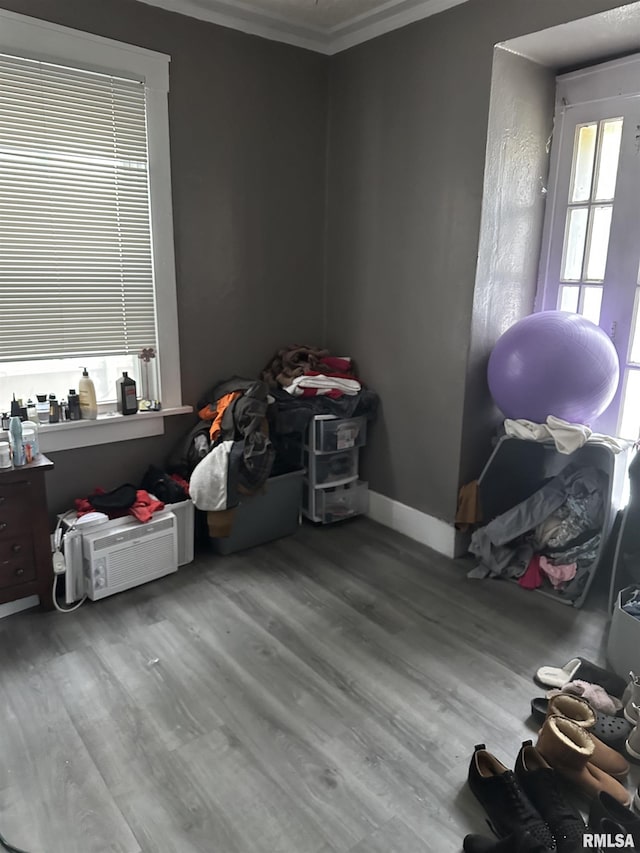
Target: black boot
{"x": 606, "y": 806}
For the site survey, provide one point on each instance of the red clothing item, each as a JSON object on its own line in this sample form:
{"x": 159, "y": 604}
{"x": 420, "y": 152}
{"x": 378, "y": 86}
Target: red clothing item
{"x": 181, "y": 482}
{"x": 142, "y": 508}
{"x": 336, "y": 364}
{"x": 533, "y": 577}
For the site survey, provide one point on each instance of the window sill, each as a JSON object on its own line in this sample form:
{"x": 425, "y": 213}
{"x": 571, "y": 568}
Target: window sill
{"x": 106, "y": 429}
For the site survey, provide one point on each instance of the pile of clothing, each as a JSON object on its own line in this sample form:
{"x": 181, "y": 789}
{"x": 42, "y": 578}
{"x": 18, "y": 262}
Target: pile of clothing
{"x": 309, "y": 372}
{"x": 551, "y": 538}
{"x": 229, "y": 453}
{"x": 305, "y": 381}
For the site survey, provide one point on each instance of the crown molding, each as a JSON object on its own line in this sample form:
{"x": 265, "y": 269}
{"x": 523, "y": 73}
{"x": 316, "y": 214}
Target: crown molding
{"x": 250, "y": 19}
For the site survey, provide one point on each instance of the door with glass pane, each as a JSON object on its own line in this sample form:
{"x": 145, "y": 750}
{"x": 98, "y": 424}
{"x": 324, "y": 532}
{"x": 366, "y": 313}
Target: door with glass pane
{"x": 592, "y": 235}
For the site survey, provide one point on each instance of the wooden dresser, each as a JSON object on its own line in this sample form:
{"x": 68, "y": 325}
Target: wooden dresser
{"x": 25, "y": 551}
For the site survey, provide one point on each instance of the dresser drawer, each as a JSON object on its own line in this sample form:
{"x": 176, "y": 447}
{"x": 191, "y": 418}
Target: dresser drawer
{"x": 16, "y": 506}
{"x": 17, "y": 561}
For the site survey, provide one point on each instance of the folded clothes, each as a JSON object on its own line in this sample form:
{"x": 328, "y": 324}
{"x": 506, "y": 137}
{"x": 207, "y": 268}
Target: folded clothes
{"x": 317, "y": 384}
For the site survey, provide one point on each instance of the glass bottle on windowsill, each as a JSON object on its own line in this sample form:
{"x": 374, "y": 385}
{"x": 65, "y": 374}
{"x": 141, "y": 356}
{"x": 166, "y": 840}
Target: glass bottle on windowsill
{"x": 126, "y": 396}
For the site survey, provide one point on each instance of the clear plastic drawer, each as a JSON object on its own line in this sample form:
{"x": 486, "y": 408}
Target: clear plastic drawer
{"x": 341, "y": 434}
{"x": 332, "y": 467}
{"x": 342, "y": 501}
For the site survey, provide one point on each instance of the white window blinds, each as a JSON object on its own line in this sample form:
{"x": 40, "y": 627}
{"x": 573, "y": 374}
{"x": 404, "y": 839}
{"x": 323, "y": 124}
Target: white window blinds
{"x": 76, "y": 271}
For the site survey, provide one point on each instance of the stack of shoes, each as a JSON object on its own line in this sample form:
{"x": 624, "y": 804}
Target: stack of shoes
{"x": 526, "y": 808}
{"x": 577, "y": 743}
{"x": 611, "y": 730}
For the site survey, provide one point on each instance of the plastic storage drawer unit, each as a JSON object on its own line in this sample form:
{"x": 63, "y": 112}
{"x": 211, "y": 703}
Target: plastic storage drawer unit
{"x": 342, "y": 502}
{"x": 341, "y": 434}
{"x": 332, "y": 467}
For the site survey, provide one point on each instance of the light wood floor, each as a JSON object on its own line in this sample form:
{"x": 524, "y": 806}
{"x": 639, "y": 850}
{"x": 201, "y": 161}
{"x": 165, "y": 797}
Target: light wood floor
{"x": 321, "y": 694}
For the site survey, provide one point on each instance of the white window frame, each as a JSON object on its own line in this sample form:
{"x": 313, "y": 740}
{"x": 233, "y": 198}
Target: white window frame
{"x": 608, "y": 90}
{"x": 40, "y": 40}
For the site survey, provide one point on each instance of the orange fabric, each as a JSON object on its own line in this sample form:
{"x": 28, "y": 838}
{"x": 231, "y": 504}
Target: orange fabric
{"x": 208, "y": 413}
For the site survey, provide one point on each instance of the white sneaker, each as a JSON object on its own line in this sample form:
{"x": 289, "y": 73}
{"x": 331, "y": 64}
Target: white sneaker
{"x": 631, "y": 699}
{"x": 633, "y": 741}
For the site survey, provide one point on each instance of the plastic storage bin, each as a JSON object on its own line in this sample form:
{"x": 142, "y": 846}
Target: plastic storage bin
{"x": 341, "y": 434}
{"x": 261, "y": 518}
{"x": 332, "y": 467}
{"x": 341, "y": 502}
{"x": 185, "y": 514}
{"x": 623, "y": 645}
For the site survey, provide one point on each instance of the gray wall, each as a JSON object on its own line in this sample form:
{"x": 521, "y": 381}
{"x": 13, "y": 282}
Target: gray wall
{"x": 408, "y": 132}
{"x": 248, "y": 143}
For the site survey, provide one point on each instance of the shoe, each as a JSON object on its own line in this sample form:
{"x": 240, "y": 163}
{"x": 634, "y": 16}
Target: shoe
{"x": 500, "y": 795}
{"x": 612, "y": 731}
{"x": 633, "y": 741}
{"x": 569, "y": 748}
{"x": 605, "y": 806}
{"x": 582, "y": 714}
{"x": 540, "y": 783}
{"x": 631, "y": 699}
{"x": 612, "y": 830}
{"x": 522, "y": 842}
{"x": 582, "y": 670}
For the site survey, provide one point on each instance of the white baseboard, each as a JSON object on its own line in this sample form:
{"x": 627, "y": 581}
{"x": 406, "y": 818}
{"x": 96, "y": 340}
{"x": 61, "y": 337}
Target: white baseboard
{"x": 12, "y": 607}
{"x": 417, "y": 525}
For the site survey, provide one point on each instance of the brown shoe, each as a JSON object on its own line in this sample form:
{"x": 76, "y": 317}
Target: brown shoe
{"x": 569, "y": 748}
{"x": 580, "y": 711}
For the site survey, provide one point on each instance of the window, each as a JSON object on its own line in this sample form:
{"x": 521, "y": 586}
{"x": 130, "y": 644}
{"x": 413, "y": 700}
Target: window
{"x": 591, "y": 251}
{"x": 86, "y": 236}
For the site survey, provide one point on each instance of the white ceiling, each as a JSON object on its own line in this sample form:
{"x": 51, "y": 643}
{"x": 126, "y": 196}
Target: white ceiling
{"x": 327, "y": 26}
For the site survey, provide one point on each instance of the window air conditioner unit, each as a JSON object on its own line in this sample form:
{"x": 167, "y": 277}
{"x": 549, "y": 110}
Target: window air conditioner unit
{"x": 106, "y": 559}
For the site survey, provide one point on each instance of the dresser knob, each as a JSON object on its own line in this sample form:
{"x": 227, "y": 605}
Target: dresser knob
{"x": 16, "y": 548}
{"x": 19, "y": 572}
{"x": 2, "y": 499}
{"x": 3, "y": 525}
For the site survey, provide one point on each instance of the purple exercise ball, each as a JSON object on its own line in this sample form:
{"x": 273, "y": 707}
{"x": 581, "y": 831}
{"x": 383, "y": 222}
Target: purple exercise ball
{"x": 553, "y": 363}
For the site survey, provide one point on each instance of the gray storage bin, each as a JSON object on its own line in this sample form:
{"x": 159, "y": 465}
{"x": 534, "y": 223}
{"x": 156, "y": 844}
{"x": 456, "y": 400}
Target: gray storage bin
{"x": 260, "y": 518}
{"x": 623, "y": 646}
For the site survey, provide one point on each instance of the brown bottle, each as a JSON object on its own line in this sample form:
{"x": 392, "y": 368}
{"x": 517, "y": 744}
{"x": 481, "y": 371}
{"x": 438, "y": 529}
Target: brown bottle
{"x": 126, "y": 395}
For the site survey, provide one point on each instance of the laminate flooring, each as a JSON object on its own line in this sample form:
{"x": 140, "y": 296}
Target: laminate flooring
{"x": 320, "y": 694}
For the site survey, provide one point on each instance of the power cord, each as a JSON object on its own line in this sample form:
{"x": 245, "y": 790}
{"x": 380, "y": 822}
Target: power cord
{"x": 59, "y": 607}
